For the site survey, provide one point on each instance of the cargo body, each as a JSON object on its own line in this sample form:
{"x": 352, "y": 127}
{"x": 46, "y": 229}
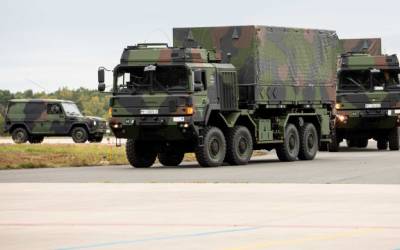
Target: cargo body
{"x": 240, "y": 88}
{"x": 368, "y": 101}
{"x": 275, "y": 65}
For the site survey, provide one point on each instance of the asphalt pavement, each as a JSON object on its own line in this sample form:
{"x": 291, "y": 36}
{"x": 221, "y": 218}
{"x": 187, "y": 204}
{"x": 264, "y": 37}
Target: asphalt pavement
{"x": 359, "y": 166}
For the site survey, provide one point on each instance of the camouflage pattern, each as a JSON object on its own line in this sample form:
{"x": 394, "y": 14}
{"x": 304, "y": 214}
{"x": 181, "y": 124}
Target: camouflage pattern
{"x": 287, "y": 65}
{"x": 368, "y": 112}
{"x": 39, "y": 117}
{"x": 371, "y": 46}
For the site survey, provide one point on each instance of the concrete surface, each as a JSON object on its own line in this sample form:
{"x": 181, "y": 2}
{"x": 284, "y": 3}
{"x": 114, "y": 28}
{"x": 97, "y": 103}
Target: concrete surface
{"x": 199, "y": 216}
{"x": 363, "y": 166}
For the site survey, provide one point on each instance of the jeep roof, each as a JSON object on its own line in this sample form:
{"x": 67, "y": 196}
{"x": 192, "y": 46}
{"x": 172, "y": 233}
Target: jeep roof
{"x": 40, "y": 100}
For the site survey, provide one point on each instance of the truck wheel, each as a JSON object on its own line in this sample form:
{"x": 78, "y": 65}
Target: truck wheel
{"x": 20, "y": 135}
{"x": 289, "y": 149}
{"x": 139, "y": 156}
{"x": 171, "y": 159}
{"x": 323, "y": 147}
{"x": 239, "y": 146}
{"x": 35, "y": 139}
{"x": 382, "y": 144}
{"x": 213, "y": 150}
{"x": 394, "y": 139}
{"x": 333, "y": 146}
{"x": 351, "y": 143}
{"x": 79, "y": 135}
{"x": 308, "y": 142}
{"x": 362, "y": 143}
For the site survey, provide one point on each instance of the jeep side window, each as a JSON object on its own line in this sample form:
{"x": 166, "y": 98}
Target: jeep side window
{"x": 53, "y": 109}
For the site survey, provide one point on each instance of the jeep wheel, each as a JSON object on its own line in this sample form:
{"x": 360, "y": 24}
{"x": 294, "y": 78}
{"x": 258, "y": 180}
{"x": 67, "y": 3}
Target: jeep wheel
{"x": 394, "y": 139}
{"x": 289, "y": 149}
{"x": 171, "y": 159}
{"x": 239, "y": 146}
{"x": 139, "y": 156}
{"x": 20, "y": 135}
{"x": 308, "y": 142}
{"x": 79, "y": 135}
{"x": 382, "y": 144}
{"x": 35, "y": 139}
{"x": 213, "y": 150}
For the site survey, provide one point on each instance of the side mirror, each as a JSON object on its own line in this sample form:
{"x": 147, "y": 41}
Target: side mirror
{"x": 101, "y": 87}
{"x": 100, "y": 75}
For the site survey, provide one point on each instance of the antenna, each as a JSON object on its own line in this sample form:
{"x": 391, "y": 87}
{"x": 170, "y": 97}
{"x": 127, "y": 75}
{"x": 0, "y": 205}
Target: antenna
{"x": 158, "y": 30}
{"x": 37, "y": 84}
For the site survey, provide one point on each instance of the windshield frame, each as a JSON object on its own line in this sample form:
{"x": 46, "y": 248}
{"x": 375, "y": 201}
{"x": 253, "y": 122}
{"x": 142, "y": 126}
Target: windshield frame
{"x": 155, "y": 87}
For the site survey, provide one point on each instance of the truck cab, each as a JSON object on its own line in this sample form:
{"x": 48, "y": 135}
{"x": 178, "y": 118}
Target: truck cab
{"x": 368, "y": 100}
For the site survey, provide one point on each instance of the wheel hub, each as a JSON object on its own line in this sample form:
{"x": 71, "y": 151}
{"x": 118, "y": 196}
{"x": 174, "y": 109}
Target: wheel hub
{"x": 310, "y": 141}
{"x": 214, "y": 146}
{"x": 242, "y": 145}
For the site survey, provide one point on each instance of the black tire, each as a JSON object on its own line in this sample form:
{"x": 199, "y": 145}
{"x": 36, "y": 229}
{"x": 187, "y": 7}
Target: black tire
{"x": 382, "y": 144}
{"x": 334, "y": 144}
{"x": 35, "y": 139}
{"x": 171, "y": 159}
{"x": 324, "y": 147}
{"x": 351, "y": 143}
{"x": 239, "y": 146}
{"x": 308, "y": 142}
{"x": 79, "y": 135}
{"x": 20, "y": 135}
{"x": 139, "y": 157}
{"x": 289, "y": 149}
{"x": 212, "y": 152}
{"x": 362, "y": 142}
{"x": 95, "y": 139}
{"x": 394, "y": 139}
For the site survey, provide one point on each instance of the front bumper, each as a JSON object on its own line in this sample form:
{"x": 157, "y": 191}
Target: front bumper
{"x": 154, "y": 128}
{"x": 368, "y": 119}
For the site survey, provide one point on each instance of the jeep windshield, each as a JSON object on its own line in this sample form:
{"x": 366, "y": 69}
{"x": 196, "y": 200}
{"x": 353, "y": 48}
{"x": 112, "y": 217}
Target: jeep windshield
{"x": 151, "y": 78}
{"x": 368, "y": 80}
{"x": 71, "y": 109}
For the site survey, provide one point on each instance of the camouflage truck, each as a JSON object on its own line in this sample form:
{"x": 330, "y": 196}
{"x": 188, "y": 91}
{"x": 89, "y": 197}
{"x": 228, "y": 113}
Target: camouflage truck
{"x": 221, "y": 92}
{"x": 33, "y": 119}
{"x": 368, "y": 97}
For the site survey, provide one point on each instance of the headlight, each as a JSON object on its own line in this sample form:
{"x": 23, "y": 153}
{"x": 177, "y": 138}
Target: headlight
{"x": 338, "y": 105}
{"x": 342, "y": 118}
{"x": 94, "y": 123}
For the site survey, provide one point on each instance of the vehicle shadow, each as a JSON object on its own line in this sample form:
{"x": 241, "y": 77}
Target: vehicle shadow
{"x": 194, "y": 165}
{"x": 353, "y": 150}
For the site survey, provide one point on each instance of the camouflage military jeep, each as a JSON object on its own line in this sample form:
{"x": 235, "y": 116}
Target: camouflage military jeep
{"x": 33, "y": 119}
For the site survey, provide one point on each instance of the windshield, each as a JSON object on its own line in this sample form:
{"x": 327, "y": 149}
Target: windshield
{"x": 71, "y": 109}
{"x": 152, "y": 78}
{"x": 368, "y": 80}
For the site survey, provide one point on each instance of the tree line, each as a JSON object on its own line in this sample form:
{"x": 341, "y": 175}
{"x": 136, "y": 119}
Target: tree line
{"x": 90, "y": 102}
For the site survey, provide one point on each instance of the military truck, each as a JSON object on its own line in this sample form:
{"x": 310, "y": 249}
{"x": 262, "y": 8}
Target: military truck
{"x": 368, "y": 97}
{"x": 221, "y": 92}
{"x": 33, "y": 119}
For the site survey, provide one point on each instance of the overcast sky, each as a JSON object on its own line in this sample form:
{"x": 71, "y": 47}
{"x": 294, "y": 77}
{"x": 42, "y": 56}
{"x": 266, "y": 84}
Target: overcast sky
{"x": 49, "y": 44}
